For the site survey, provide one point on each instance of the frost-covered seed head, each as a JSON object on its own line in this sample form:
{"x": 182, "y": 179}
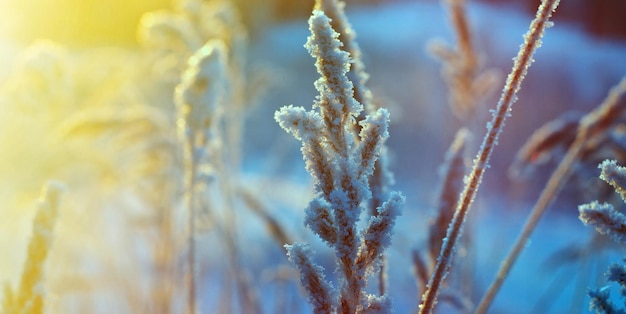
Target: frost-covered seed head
{"x": 200, "y": 93}
{"x": 614, "y": 175}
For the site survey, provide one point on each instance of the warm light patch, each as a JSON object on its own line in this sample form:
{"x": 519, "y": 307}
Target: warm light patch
{"x": 75, "y": 22}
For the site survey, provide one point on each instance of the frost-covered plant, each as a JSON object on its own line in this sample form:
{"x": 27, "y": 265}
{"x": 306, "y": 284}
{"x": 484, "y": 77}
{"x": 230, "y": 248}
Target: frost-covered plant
{"x": 172, "y": 36}
{"x": 334, "y": 9}
{"x": 451, "y": 174}
{"x": 341, "y": 162}
{"x": 452, "y": 171}
{"x": 600, "y": 298}
{"x": 200, "y": 99}
{"x": 381, "y": 179}
{"x": 609, "y": 221}
{"x": 603, "y": 216}
{"x": 29, "y": 296}
{"x": 199, "y": 102}
{"x": 182, "y": 31}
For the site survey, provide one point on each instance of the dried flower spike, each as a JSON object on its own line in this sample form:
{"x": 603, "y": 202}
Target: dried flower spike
{"x": 29, "y": 297}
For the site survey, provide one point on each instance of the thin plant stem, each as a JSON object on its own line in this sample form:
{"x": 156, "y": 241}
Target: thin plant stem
{"x": 190, "y": 186}
{"x": 495, "y": 127}
{"x": 162, "y": 293}
{"x": 382, "y": 276}
{"x": 464, "y": 34}
{"x": 249, "y": 300}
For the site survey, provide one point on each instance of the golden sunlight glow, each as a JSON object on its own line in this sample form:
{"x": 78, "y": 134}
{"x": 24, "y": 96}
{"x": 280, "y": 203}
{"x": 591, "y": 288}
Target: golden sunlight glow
{"x": 75, "y": 22}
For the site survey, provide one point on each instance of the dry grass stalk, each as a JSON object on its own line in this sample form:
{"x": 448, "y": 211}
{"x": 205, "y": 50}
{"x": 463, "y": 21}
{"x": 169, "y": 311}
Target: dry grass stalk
{"x": 198, "y": 98}
{"x": 452, "y": 172}
{"x": 545, "y": 143}
{"x": 274, "y": 227}
{"x": 29, "y": 297}
{"x": 461, "y": 71}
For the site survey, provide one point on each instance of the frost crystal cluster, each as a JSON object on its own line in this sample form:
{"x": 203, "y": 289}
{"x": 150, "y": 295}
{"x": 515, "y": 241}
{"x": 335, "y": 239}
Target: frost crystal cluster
{"x": 611, "y": 222}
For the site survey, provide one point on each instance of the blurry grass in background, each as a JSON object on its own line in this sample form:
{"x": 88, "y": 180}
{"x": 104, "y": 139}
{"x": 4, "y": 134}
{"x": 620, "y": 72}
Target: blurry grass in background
{"x": 93, "y": 22}
{"x": 83, "y": 23}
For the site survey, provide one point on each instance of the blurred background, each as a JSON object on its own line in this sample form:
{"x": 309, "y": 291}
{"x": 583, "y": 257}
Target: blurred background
{"x": 86, "y": 98}
{"x": 92, "y": 22}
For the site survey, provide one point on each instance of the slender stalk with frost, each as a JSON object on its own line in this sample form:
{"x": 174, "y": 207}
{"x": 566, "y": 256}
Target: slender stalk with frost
{"x": 30, "y": 293}
{"x": 494, "y": 128}
{"x": 198, "y": 99}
